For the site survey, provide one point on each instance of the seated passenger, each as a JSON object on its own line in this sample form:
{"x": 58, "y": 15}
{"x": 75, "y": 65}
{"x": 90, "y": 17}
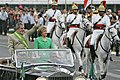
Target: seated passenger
{"x": 19, "y": 39}
{"x": 43, "y": 42}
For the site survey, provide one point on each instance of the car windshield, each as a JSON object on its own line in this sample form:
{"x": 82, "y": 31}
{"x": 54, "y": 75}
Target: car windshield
{"x": 44, "y": 56}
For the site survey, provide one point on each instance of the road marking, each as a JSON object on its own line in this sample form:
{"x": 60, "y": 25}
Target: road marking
{"x": 117, "y": 70}
{"x": 113, "y": 75}
{"x": 116, "y": 60}
{"x": 113, "y": 52}
{"x": 3, "y": 46}
{"x": 3, "y": 43}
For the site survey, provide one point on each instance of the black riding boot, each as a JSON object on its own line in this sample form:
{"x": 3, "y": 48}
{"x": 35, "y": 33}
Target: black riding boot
{"x": 92, "y": 51}
{"x": 69, "y": 45}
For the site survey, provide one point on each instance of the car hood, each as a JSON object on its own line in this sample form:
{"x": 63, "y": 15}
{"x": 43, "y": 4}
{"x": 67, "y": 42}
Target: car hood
{"x": 48, "y": 71}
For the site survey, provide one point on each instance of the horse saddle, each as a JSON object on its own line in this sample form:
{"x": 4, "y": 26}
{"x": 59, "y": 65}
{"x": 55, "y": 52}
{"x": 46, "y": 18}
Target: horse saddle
{"x": 87, "y": 45}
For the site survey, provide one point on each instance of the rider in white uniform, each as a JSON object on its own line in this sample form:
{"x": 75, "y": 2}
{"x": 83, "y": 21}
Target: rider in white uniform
{"x": 73, "y": 20}
{"x": 99, "y": 23}
{"x": 53, "y": 15}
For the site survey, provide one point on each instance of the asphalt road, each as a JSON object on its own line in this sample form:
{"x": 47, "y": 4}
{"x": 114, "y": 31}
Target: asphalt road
{"x": 113, "y": 70}
{"x": 3, "y": 47}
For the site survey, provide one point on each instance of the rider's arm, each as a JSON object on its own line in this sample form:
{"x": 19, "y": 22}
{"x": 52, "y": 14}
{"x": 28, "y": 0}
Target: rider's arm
{"x": 59, "y": 16}
{"x": 68, "y": 19}
{"x": 107, "y": 21}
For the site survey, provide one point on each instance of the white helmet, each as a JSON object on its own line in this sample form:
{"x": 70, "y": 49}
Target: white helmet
{"x": 54, "y": 2}
{"x": 74, "y": 6}
{"x": 101, "y": 8}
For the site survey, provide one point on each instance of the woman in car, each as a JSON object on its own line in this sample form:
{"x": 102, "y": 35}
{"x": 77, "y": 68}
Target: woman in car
{"x": 43, "y": 42}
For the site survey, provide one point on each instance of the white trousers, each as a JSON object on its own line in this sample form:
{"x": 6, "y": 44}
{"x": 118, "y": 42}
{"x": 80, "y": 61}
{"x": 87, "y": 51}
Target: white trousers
{"x": 95, "y": 34}
{"x": 71, "y": 32}
{"x": 50, "y": 26}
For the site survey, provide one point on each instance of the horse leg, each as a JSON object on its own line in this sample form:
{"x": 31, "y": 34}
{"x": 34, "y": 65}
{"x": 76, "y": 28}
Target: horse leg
{"x": 101, "y": 65}
{"x": 86, "y": 55}
{"x": 106, "y": 66}
{"x": 80, "y": 61}
{"x": 86, "y": 61}
{"x": 95, "y": 68}
{"x": 55, "y": 46}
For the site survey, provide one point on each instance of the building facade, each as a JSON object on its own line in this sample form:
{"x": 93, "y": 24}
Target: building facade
{"x": 113, "y": 4}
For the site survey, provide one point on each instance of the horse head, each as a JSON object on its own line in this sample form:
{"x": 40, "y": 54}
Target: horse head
{"x": 86, "y": 24}
{"x": 60, "y": 27}
{"x": 61, "y": 22}
{"x": 113, "y": 33}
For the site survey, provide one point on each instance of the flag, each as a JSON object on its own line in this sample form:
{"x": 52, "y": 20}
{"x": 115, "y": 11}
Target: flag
{"x": 22, "y": 77}
{"x": 103, "y": 3}
{"x": 56, "y": 1}
{"x": 51, "y": 1}
{"x": 86, "y": 3}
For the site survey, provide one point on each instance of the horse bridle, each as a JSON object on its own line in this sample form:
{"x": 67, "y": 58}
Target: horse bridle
{"x": 107, "y": 51}
{"x": 80, "y": 41}
{"x": 110, "y": 32}
{"x": 59, "y": 28}
{"x": 61, "y": 25}
{"x": 85, "y": 24}
{"x": 108, "y": 39}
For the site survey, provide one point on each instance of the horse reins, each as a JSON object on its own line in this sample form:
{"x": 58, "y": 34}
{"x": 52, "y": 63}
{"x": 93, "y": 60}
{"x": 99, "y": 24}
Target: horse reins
{"x": 80, "y": 44}
{"x": 107, "y": 51}
{"x": 60, "y": 28}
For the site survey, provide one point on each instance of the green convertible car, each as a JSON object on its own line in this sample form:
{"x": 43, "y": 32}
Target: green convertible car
{"x": 40, "y": 64}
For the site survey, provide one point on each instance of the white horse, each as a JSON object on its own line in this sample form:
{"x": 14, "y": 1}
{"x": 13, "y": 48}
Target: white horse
{"x": 78, "y": 41}
{"x": 60, "y": 27}
{"x": 103, "y": 49}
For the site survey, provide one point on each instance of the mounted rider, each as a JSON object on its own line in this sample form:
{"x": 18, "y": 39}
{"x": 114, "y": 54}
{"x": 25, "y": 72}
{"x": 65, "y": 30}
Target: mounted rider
{"x": 73, "y": 22}
{"x": 53, "y": 15}
{"x": 99, "y": 22}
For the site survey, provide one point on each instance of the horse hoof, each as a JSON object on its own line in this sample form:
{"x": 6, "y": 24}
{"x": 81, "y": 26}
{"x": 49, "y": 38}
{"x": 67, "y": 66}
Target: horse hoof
{"x": 99, "y": 78}
{"x": 86, "y": 75}
{"x": 103, "y": 76}
{"x": 80, "y": 68}
{"x": 93, "y": 77}
{"x": 78, "y": 73}
{"x": 111, "y": 59}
